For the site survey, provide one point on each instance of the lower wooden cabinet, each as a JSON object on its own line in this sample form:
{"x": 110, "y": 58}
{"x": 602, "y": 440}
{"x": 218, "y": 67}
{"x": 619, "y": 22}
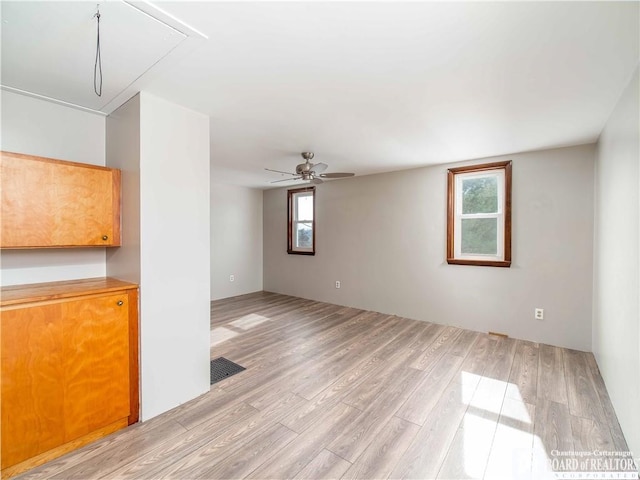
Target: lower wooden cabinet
{"x": 69, "y": 365}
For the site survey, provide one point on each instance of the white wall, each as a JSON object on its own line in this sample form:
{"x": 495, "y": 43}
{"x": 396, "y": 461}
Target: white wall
{"x": 171, "y": 171}
{"x": 46, "y": 129}
{"x": 236, "y": 240}
{"x": 383, "y": 236}
{"x": 616, "y": 329}
{"x": 123, "y": 152}
{"x": 175, "y": 239}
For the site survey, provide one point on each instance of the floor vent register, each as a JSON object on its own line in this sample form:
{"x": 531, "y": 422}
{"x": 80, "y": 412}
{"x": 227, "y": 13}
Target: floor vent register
{"x": 222, "y": 368}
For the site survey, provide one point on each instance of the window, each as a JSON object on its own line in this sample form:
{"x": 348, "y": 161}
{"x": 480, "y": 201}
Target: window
{"x": 302, "y": 227}
{"x": 479, "y": 215}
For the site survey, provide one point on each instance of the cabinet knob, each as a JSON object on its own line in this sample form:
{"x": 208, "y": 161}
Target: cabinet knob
{"x": 105, "y": 237}
{"x": 120, "y": 303}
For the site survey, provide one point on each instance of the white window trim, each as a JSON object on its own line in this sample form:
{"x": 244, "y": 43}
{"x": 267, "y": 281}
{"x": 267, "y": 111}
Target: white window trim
{"x": 292, "y": 199}
{"x": 455, "y": 216}
{"x": 296, "y": 221}
{"x": 499, "y": 215}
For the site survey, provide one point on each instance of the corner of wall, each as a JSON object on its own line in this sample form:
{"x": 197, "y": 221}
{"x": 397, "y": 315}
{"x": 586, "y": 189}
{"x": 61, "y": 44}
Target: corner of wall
{"x": 616, "y": 286}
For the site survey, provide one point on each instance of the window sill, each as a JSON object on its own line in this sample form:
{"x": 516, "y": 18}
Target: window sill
{"x": 479, "y": 263}
{"x": 294, "y": 252}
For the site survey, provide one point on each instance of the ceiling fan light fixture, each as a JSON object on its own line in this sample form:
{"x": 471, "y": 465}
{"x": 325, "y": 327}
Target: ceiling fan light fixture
{"x": 310, "y": 172}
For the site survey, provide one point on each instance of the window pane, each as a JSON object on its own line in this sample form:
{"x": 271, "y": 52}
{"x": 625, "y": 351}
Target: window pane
{"x": 479, "y": 236}
{"x": 303, "y": 235}
{"x": 305, "y": 207}
{"x": 480, "y": 195}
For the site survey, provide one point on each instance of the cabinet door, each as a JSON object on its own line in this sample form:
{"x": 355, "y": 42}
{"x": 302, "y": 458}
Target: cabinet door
{"x": 96, "y": 363}
{"x": 32, "y": 377}
{"x": 51, "y": 203}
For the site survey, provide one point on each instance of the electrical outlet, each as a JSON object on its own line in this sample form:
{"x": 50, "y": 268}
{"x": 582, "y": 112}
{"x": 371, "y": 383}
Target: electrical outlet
{"x": 539, "y": 313}
{"x": 337, "y": 283}
{"x": 232, "y": 278}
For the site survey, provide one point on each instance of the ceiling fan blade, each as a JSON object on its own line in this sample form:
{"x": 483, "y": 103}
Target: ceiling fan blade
{"x": 319, "y": 167}
{"x": 337, "y": 175}
{"x": 286, "y": 179}
{"x": 316, "y": 181}
{"x": 280, "y": 171}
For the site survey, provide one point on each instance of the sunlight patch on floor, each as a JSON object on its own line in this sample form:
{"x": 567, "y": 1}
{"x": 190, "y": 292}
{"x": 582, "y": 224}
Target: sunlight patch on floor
{"x": 489, "y": 395}
{"x": 221, "y": 334}
{"x": 541, "y": 464}
{"x": 469, "y": 382}
{"x": 478, "y": 433}
{"x": 511, "y": 453}
{"x": 249, "y": 321}
{"x": 498, "y": 431}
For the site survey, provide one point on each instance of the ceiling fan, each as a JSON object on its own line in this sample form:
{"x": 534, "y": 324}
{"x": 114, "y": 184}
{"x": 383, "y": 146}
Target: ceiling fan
{"x": 310, "y": 171}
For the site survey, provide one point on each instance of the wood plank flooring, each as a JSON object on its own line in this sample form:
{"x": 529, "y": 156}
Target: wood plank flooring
{"x": 337, "y": 392}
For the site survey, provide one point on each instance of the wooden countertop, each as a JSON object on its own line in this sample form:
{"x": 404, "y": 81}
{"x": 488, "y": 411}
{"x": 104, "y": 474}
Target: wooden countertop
{"x": 39, "y": 292}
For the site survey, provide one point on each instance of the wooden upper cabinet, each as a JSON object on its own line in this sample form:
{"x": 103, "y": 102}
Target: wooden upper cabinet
{"x": 54, "y": 203}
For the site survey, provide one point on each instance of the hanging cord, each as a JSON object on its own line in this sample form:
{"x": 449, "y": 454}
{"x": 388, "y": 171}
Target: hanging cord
{"x": 97, "y": 67}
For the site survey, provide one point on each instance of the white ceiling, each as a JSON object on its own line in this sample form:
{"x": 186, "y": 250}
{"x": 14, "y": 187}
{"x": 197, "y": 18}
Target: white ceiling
{"x": 382, "y": 86}
{"x": 50, "y": 48}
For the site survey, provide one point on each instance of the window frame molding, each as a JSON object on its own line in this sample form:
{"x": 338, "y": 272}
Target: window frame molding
{"x": 451, "y": 213}
{"x": 290, "y": 210}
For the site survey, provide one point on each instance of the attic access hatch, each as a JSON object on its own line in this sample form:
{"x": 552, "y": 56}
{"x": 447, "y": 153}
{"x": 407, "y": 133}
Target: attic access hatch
{"x": 49, "y": 48}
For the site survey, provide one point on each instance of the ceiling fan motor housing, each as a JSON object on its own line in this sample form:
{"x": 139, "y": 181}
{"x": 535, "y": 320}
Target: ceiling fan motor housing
{"x": 303, "y": 168}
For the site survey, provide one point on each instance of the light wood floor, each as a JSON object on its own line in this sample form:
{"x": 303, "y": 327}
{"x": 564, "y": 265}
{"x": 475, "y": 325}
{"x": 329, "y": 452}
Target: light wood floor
{"x": 336, "y": 392}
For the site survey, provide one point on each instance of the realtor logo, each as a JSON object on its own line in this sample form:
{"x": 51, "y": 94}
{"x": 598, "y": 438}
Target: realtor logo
{"x": 596, "y": 464}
